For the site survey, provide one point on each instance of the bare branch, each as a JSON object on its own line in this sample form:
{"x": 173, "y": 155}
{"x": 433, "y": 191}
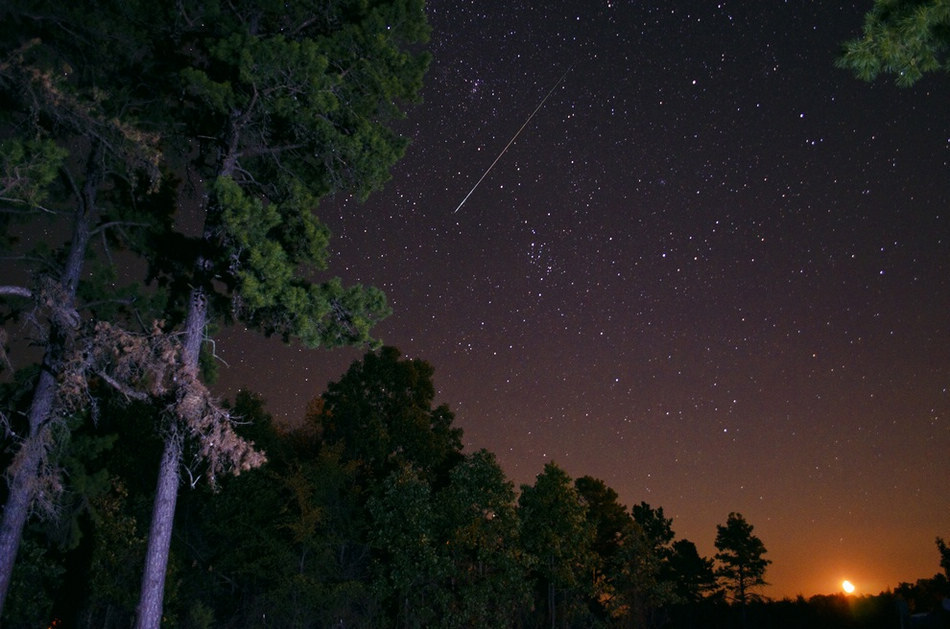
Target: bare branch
{"x": 128, "y": 392}
{"x": 29, "y": 207}
{"x": 112, "y": 224}
{"x": 17, "y": 291}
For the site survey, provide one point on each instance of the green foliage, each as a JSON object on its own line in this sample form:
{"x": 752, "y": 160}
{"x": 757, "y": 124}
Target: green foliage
{"x": 36, "y": 576}
{"x": 645, "y": 584}
{"x": 300, "y": 98}
{"x": 613, "y": 534}
{"x": 381, "y": 414}
{"x": 557, "y": 538}
{"x": 117, "y": 552}
{"x": 27, "y": 168}
{"x": 408, "y": 564}
{"x": 80, "y": 458}
{"x": 905, "y": 38}
{"x": 487, "y": 576}
{"x": 269, "y": 244}
{"x": 208, "y": 172}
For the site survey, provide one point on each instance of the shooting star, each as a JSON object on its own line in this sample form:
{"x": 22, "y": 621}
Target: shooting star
{"x": 512, "y": 140}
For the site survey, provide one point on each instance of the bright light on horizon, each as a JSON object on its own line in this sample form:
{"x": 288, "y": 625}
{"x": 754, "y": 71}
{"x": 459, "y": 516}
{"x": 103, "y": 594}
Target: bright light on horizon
{"x": 847, "y": 586}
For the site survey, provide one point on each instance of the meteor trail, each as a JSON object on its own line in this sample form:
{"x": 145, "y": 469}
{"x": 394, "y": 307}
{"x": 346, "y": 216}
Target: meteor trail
{"x": 512, "y": 140}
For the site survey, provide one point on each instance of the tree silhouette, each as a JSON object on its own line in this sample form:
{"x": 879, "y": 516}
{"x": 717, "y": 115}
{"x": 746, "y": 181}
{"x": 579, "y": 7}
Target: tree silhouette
{"x": 693, "y": 574}
{"x": 944, "y": 557}
{"x": 741, "y": 564}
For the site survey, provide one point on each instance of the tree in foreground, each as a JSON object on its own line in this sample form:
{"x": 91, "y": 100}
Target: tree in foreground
{"x": 68, "y": 161}
{"x": 259, "y": 108}
{"x": 905, "y": 38}
{"x": 741, "y": 562}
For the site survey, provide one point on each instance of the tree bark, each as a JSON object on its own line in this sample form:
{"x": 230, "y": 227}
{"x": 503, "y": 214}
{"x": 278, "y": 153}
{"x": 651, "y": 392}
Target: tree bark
{"x": 24, "y": 477}
{"x": 160, "y": 533}
{"x": 25, "y": 471}
{"x": 152, "y": 593}
{"x": 149, "y": 612}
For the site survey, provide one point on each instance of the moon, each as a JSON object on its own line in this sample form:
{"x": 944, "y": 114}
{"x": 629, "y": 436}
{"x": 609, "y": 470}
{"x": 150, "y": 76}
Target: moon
{"x": 847, "y": 586}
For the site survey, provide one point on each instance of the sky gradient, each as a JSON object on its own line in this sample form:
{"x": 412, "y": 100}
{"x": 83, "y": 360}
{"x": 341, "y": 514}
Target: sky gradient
{"x": 712, "y": 270}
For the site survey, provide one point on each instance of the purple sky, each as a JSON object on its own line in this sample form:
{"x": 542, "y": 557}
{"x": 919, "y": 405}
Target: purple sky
{"x": 712, "y": 271}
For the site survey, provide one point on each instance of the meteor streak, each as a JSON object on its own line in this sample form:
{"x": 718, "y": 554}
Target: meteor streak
{"x": 512, "y": 140}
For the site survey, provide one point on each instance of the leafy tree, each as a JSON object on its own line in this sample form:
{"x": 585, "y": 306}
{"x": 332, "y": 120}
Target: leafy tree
{"x": 741, "y": 562}
{"x": 233, "y": 543}
{"x": 263, "y": 108}
{"x": 613, "y": 528}
{"x": 117, "y": 552}
{"x": 409, "y": 567}
{"x": 648, "y": 586}
{"x": 35, "y": 579}
{"x": 610, "y": 519}
{"x": 906, "y": 38}
{"x": 381, "y": 414}
{"x": 61, "y": 146}
{"x": 297, "y": 98}
{"x": 557, "y": 538}
{"x": 486, "y": 574}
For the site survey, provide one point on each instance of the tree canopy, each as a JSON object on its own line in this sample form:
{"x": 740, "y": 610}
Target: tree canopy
{"x": 741, "y": 562}
{"x": 198, "y": 138}
{"x": 903, "y": 38}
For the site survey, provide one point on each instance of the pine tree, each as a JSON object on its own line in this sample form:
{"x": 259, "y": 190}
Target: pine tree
{"x": 252, "y": 111}
{"x": 741, "y": 562}
{"x": 905, "y": 38}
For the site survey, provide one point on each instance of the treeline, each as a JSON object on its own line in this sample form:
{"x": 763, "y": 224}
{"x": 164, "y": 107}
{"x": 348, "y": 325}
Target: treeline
{"x": 368, "y": 515}
{"x": 371, "y": 515}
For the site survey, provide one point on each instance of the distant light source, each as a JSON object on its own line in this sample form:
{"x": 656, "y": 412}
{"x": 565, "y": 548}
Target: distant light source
{"x": 847, "y": 586}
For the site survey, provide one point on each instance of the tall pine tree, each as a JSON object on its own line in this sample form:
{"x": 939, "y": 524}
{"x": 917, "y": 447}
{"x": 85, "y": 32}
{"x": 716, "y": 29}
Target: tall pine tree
{"x": 254, "y": 110}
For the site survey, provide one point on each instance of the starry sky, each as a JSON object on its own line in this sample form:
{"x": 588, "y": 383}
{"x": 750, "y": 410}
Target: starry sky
{"x": 712, "y": 270}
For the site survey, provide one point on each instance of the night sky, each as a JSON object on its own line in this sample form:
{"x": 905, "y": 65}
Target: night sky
{"x": 712, "y": 271}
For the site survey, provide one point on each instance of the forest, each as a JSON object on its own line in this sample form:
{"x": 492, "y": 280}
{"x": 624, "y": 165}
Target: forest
{"x": 370, "y": 514}
{"x": 161, "y": 168}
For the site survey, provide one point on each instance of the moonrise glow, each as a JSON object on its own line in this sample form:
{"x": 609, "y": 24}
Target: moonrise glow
{"x": 712, "y": 270}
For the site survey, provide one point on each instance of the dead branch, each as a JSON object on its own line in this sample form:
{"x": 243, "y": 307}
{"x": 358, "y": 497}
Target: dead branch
{"x": 151, "y": 367}
{"x": 18, "y": 291}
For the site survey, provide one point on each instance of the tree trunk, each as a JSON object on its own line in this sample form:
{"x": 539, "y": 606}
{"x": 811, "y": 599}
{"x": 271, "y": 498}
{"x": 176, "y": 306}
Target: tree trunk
{"x": 24, "y": 472}
{"x": 24, "y": 477}
{"x": 160, "y": 533}
{"x": 149, "y": 613}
